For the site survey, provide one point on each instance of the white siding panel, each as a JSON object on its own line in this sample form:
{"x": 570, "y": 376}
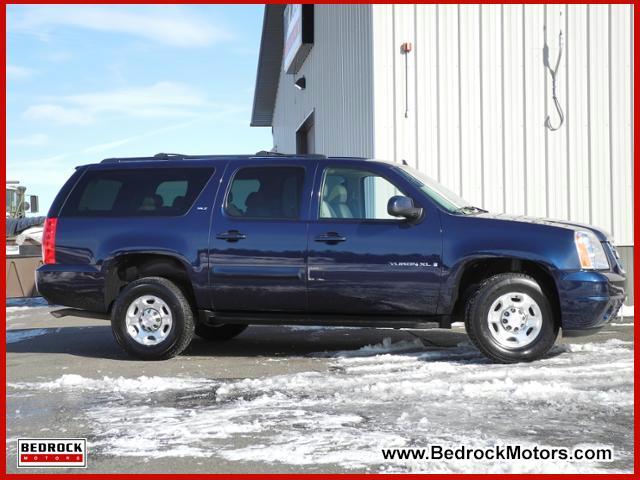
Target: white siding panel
{"x": 404, "y": 69}
{"x": 599, "y": 101}
{"x": 383, "y": 83}
{"x": 426, "y": 82}
{"x": 491, "y": 65}
{"x": 448, "y": 81}
{"x": 556, "y": 141}
{"x": 621, "y": 77}
{"x": 514, "y": 112}
{"x": 535, "y": 102}
{"x": 339, "y": 91}
{"x": 470, "y": 107}
{"x": 479, "y": 94}
{"x": 577, "y": 122}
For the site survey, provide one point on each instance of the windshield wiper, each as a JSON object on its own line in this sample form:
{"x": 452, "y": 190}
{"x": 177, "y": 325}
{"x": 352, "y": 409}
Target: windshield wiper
{"x": 469, "y": 209}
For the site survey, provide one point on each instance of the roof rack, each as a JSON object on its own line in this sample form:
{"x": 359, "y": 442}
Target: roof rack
{"x": 265, "y": 153}
{"x": 168, "y": 156}
{"x": 180, "y": 156}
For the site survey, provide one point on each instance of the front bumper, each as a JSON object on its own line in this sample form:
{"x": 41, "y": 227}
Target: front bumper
{"x": 77, "y": 286}
{"x": 589, "y": 299}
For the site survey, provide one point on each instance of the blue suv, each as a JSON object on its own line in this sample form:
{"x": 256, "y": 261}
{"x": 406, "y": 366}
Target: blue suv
{"x": 174, "y": 245}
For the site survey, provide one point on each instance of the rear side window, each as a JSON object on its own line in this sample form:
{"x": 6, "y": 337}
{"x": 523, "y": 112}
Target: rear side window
{"x": 136, "y": 192}
{"x": 266, "y": 192}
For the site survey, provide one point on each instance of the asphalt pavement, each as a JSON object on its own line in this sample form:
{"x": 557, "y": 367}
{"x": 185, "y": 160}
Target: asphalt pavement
{"x": 303, "y": 399}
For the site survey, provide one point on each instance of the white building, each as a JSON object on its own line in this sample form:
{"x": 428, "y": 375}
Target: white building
{"x": 462, "y": 93}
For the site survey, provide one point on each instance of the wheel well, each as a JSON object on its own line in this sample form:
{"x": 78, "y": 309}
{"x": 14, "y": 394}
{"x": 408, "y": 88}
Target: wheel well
{"x": 480, "y": 270}
{"x": 127, "y": 268}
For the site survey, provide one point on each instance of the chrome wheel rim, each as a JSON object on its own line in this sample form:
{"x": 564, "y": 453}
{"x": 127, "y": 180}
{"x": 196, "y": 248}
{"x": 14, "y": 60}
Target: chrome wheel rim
{"x": 149, "y": 320}
{"x": 514, "y": 320}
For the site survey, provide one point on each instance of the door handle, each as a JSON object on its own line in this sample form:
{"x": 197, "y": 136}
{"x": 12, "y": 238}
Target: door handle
{"x": 231, "y": 236}
{"x": 330, "y": 237}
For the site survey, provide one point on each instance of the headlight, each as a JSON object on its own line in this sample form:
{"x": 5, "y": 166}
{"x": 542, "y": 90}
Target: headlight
{"x": 590, "y": 251}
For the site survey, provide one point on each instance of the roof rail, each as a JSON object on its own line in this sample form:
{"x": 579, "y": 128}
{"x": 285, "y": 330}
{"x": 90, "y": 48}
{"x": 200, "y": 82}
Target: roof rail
{"x": 265, "y": 153}
{"x": 169, "y": 155}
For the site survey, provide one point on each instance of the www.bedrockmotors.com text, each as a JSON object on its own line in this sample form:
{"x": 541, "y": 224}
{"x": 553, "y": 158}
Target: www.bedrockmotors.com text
{"x": 500, "y": 452}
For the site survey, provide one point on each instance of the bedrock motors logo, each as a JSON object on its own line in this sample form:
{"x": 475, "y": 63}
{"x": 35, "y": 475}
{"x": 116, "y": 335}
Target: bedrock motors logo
{"x": 52, "y": 452}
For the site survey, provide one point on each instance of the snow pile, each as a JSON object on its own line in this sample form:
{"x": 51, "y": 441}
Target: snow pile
{"x": 371, "y": 399}
{"x": 15, "y": 336}
{"x": 626, "y": 311}
{"x": 141, "y": 385}
{"x": 17, "y": 304}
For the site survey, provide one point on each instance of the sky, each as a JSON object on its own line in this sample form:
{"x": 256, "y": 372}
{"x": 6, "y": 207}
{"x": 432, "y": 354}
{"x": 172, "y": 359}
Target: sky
{"x": 87, "y": 82}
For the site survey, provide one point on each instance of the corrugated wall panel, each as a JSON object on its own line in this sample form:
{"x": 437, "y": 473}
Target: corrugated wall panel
{"x": 470, "y": 104}
{"x": 599, "y": 92}
{"x": 449, "y": 82}
{"x": 535, "y": 105}
{"x": 426, "y": 88}
{"x": 513, "y": 108}
{"x": 621, "y": 104}
{"x": 482, "y": 94}
{"x": 339, "y": 86}
{"x": 556, "y": 141}
{"x": 577, "y": 108}
{"x": 478, "y": 96}
{"x": 492, "y": 106}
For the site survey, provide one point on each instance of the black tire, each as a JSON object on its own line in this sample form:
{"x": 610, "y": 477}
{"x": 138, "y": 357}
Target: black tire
{"x": 477, "y": 311}
{"x": 219, "y": 333}
{"x": 182, "y": 328}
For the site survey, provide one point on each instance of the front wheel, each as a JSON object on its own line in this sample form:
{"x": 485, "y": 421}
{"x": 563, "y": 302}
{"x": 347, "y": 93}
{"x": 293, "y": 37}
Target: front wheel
{"x": 152, "y": 319}
{"x": 510, "y": 319}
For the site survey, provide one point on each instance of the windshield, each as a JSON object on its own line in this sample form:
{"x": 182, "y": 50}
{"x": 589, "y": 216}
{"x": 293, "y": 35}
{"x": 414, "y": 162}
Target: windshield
{"x": 440, "y": 194}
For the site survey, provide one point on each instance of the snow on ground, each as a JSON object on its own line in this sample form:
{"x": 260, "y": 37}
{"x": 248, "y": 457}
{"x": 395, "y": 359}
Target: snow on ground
{"x": 141, "y": 385}
{"x": 17, "y": 304}
{"x": 21, "y": 335}
{"x": 626, "y": 311}
{"x": 388, "y": 395}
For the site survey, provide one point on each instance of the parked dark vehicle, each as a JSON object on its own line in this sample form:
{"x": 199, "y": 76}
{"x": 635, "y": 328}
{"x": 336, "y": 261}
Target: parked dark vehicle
{"x": 172, "y": 245}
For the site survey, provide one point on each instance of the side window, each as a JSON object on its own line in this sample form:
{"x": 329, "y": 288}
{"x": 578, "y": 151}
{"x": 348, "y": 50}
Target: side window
{"x": 99, "y": 195}
{"x": 265, "y": 192}
{"x": 131, "y": 192}
{"x": 356, "y": 194}
{"x": 171, "y": 190}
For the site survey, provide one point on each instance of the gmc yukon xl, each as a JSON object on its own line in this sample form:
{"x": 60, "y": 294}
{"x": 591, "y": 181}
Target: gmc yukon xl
{"x": 174, "y": 245}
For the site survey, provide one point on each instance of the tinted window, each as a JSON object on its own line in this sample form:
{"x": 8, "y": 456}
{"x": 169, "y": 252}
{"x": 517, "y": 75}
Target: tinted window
{"x": 357, "y": 194}
{"x": 136, "y": 192}
{"x": 266, "y": 192}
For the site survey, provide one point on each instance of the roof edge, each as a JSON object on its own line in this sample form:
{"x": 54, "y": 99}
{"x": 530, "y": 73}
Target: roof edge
{"x": 269, "y": 66}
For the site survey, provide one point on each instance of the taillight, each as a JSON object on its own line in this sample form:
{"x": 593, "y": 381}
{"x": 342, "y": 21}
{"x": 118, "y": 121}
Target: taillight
{"x": 49, "y": 241}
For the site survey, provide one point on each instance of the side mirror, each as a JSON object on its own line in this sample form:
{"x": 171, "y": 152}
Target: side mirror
{"x": 400, "y": 206}
{"x": 33, "y": 201}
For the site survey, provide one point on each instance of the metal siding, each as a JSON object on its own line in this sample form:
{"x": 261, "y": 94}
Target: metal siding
{"x": 599, "y": 100}
{"x": 514, "y": 111}
{"x": 339, "y": 86}
{"x": 481, "y": 94}
{"x": 577, "y": 108}
{"x": 626, "y": 259}
{"x": 621, "y": 77}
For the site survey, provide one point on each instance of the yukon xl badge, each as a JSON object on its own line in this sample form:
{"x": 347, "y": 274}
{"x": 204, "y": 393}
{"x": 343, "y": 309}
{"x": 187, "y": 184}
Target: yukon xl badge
{"x": 414, "y": 264}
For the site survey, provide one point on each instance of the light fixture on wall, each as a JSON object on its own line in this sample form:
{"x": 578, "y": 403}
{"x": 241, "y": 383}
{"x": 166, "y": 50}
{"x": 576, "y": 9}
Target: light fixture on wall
{"x": 300, "y": 83}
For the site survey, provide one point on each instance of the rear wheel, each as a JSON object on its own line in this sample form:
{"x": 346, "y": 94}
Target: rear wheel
{"x": 152, "y": 319}
{"x": 510, "y": 319}
{"x": 219, "y": 333}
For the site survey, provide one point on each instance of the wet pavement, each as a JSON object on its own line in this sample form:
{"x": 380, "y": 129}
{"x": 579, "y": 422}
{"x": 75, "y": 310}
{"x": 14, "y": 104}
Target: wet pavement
{"x": 304, "y": 399}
